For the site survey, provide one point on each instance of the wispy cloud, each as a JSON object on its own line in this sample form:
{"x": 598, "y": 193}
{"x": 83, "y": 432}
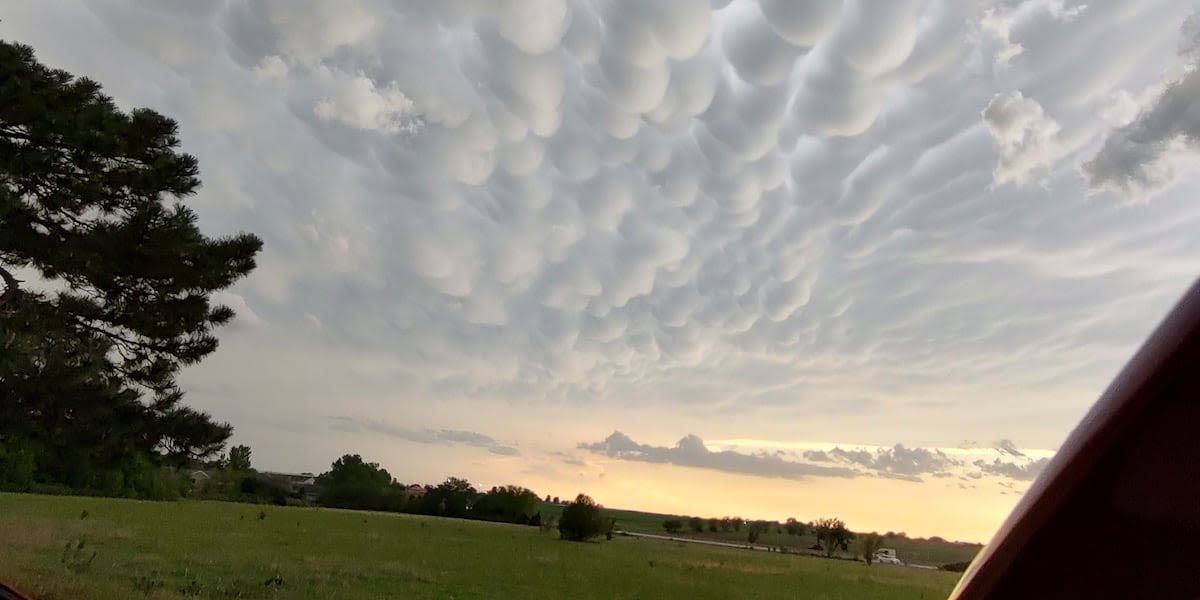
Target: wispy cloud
{"x": 421, "y": 436}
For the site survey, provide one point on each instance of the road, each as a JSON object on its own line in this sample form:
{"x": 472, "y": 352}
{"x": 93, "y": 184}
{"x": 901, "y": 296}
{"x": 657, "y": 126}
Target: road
{"x": 694, "y": 541}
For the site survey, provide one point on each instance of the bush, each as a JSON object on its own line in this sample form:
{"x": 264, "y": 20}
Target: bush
{"x": 581, "y": 520}
{"x": 260, "y": 488}
{"x": 17, "y": 467}
{"x": 957, "y": 567}
{"x": 673, "y": 525}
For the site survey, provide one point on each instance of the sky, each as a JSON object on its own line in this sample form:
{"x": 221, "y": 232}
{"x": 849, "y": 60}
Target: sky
{"x": 871, "y": 259}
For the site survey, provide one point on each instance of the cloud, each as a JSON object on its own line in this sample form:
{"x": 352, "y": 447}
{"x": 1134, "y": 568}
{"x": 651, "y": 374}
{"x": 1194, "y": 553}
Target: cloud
{"x": 1008, "y": 447}
{"x": 690, "y": 451}
{"x": 1027, "y": 471}
{"x": 759, "y": 215}
{"x": 898, "y": 461}
{"x": 1134, "y": 158}
{"x": 421, "y": 436}
{"x": 1025, "y": 135}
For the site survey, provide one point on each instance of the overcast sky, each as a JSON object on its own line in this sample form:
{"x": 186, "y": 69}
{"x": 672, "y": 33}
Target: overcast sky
{"x": 766, "y": 257}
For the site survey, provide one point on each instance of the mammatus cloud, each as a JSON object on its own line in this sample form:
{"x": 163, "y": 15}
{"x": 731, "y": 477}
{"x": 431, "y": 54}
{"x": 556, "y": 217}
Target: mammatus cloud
{"x": 1024, "y": 134}
{"x": 421, "y": 436}
{"x": 1134, "y": 157}
{"x": 792, "y": 212}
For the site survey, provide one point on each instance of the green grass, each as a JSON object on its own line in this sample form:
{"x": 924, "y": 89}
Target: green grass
{"x": 220, "y": 550}
{"x": 915, "y": 551}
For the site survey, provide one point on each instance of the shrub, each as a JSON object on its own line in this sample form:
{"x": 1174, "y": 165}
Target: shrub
{"x": 957, "y": 567}
{"x": 581, "y": 520}
{"x": 17, "y": 467}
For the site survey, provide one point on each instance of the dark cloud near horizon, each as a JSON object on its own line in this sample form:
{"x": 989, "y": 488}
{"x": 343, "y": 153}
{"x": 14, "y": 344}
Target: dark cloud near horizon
{"x": 1020, "y": 472}
{"x": 422, "y": 436}
{"x": 690, "y": 451}
{"x": 898, "y": 461}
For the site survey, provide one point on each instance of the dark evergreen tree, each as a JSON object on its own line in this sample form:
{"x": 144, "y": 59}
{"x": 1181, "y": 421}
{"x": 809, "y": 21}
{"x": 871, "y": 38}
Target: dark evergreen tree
{"x": 106, "y": 278}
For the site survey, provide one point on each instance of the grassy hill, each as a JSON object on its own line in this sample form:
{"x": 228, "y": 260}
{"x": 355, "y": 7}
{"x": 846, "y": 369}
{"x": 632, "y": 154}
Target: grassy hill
{"x": 933, "y": 552}
{"x": 74, "y": 547}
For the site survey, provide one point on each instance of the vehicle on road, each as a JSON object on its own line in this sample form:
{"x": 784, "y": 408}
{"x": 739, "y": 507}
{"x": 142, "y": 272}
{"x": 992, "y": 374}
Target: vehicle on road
{"x": 887, "y": 556}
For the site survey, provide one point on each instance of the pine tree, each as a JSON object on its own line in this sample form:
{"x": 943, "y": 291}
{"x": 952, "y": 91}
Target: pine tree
{"x": 106, "y": 276}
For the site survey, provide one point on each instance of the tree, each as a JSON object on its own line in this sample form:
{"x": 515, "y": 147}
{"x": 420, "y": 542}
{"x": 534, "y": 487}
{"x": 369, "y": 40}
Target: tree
{"x": 582, "y": 520}
{"x": 726, "y": 524}
{"x": 352, "y": 482}
{"x": 832, "y": 535}
{"x": 696, "y": 524}
{"x": 673, "y": 525}
{"x": 454, "y": 497}
{"x": 737, "y": 523}
{"x": 239, "y": 459}
{"x": 868, "y": 545}
{"x": 510, "y": 503}
{"x": 793, "y": 527}
{"x": 119, "y": 280}
{"x": 753, "y": 532}
{"x": 714, "y": 525}
{"x": 556, "y": 500}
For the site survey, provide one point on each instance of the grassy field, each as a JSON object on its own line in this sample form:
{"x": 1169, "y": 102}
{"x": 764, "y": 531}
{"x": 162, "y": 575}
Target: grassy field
{"x": 915, "y": 551}
{"x": 71, "y": 547}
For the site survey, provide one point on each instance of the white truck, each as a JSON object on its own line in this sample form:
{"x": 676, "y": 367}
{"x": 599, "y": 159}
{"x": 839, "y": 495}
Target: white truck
{"x": 887, "y": 556}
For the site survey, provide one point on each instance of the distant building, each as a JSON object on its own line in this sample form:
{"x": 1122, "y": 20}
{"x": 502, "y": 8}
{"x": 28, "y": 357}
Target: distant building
{"x": 199, "y": 477}
{"x": 416, "y": 490}
{"x": 301, "y": 484}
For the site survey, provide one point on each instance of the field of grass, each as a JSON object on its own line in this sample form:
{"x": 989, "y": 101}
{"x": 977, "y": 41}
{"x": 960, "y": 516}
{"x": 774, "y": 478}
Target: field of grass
{"x": 916, "y": 551}
{"x": 55, "y": 547}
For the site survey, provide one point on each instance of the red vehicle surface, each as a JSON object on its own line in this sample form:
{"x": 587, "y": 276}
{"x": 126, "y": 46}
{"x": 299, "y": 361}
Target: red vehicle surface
{"x": 1116, "y": 514}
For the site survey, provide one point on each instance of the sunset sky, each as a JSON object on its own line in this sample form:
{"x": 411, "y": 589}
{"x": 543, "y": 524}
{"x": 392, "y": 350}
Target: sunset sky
{"x": 870, "y": 259}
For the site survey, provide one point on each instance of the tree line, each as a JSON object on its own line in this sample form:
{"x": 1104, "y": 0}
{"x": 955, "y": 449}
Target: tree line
{"x": 353, "y": 483}
{"x": 831, "y": 534}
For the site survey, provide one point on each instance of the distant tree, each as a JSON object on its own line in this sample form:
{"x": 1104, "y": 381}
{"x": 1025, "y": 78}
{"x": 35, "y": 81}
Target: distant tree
{"x": 106, "y": 282}
{"x": 726, "y": 524}
{"x": 352, "y": 482}
{"x": 239, "y": 459}
{"x": 868, "y": 545}
{"x": 673, "y": 525}
{"x": 512, "y": 504}
{"x": 556, "y": 500}
{"x": 451, "y": 498}
{"x": 793, "y": 527}
{"x": 752, "y": 533}
{"x": 737, "y": 523}
{"x": 547, "y": 498}
{"x": 582, "y": 520}
{"x": 696, "y": 524}
{"x": 832, "y": 535}
{"x": 714, "y": 525}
